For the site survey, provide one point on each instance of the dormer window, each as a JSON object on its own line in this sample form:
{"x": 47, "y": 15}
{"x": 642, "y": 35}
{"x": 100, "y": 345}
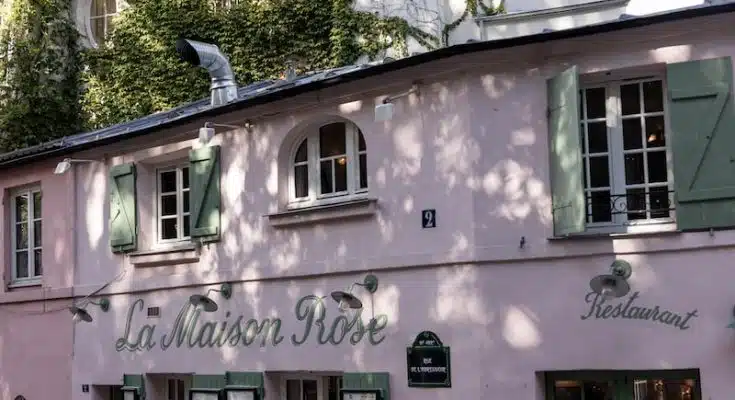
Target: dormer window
{"x": 329, "y": 165}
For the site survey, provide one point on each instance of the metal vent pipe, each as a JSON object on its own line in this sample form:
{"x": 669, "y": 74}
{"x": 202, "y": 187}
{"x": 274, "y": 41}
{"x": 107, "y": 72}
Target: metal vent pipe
{"x": 209, "y": 56}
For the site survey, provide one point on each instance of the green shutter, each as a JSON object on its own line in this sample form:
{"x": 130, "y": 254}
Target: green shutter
{"x": 204, "y": 174}
{"x": 567, "y": 192}
{"x": 703, "y": 142}
{"x": 369, "y": 380}
{"x": 123, "y": 208}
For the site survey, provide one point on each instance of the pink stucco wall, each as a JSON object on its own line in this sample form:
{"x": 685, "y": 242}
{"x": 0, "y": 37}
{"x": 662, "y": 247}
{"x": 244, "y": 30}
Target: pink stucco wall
{"x": 35, "y": 325}
{"x": 474, "y": 147}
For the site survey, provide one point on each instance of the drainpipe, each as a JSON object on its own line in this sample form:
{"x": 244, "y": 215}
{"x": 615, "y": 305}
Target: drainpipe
{"x": 209, "y": 57}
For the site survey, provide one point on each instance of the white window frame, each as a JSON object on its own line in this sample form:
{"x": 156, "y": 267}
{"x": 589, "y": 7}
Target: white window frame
{"x": 32, "y": 278}
{"x": 106, "y": 29}
{"x": 321, "y": 384}
{"x": 616, "y": 157}
{"x": 180, "y": 214}
{"x": 315, "y": 198}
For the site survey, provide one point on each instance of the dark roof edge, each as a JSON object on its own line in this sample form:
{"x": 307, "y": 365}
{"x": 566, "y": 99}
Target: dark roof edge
{"x": 423, "y": 58}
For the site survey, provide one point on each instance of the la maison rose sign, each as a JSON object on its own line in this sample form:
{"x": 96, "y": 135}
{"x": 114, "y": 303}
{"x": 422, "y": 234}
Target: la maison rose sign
{"x": 195, "y": 329}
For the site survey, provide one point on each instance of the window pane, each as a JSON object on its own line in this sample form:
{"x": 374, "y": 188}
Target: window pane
{"x": 630, "y": 99}
{"x": 599, "y": 172}
{"x": 653, "y": 96}
{"x": 655, "y": 132}
{"x": 186, "y": 226}
{"x": 98, "y": 30}
{"x": 37, "y": 205}
{"x": 97, "y": 8}
{"x": 37, "y": 234}
{"x": 598, "y": 391}
{"x": 361, "y": 141}
{"x": 332, "y": 140}
{"x": 21, "y": 236}
{"x": 582, "y": 140}
{"x": 21, "y": 208}
{"x": 634, "y": 173}
{"x": 186, "y": 201}
{"x": 636, "y": 203}
{"x": 657, "y": 166}
{"x": 293, "y": 389}
{"x": 168, "y": 181}
{"x": 340, "y": 175}
{"x": 111, "y": 6}
{"x": 180, "y": 389}
{"x": 632, "y": 134}
{"x": 171, "y": 389}
{"x": 658, "y": 389}
{"x": 37, "y": 262}
{"x": 168, "y": 204}
{"x": 583, "y": 390}
{"x": 595, "y": 103}
{"x": 326, "y": 176}
{"x": 185, "y": 177}
{"x": 21, "y": 264}
{"x": 659, "y": 202}
{"x": 301, "y": 181}
{"x": 309, "y": 390}
{"x": 597, "y": 137}
{"x": 168, "y": 228}
{"x": 110, "y": 24}
{"x": 363, "y": 171}
{"x": 600, "y": 210}
{"x": 301, "y": 155}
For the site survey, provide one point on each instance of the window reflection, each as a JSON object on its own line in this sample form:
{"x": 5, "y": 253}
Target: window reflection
{"x": 583, "y": 390}
{"x": 660, "y": 389}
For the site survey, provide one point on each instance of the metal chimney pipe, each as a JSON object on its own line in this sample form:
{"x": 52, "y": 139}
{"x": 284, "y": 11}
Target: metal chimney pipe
{"x": 209, "y": 56}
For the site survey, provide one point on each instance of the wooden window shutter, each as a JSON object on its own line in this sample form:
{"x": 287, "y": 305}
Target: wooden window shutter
{"x": 123, "y": 209}
{"x": 567, "y": 190}
{"x": 703, "y": 142}
{"x": 204, "y": 177}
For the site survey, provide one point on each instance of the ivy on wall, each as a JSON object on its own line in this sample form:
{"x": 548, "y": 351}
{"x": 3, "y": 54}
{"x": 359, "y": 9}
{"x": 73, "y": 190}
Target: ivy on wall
{"x": 40, "y": 72}
{"x": 138, "y": 73}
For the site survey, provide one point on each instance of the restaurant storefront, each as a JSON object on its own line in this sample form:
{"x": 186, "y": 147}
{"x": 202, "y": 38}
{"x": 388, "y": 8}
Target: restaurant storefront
{"x": 526, "y": 331}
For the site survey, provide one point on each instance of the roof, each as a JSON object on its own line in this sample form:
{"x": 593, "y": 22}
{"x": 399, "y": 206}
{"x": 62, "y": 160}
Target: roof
{"x": 271, "y": 91}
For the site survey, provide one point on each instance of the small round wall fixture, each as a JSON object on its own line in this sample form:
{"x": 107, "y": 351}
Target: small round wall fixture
{"x": 348, "y": 300}
{"x": 206, "y": 303}
{"x": 615, "y": 284}
{"x": 80, "y": 314}
{"x": 19, "y": 397}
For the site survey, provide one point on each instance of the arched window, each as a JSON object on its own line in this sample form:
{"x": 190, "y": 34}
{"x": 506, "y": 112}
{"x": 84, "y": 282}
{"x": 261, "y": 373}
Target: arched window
{"x": 330, "y": 164}
{"x": 101, "y": 14}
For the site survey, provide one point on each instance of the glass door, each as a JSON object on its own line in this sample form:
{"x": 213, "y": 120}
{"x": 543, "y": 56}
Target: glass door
{"x": 623, "y": 385}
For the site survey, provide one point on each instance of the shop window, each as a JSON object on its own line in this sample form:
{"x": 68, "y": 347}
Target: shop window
{"x": 302, "y": 389}
{"x": 26, "y": 236}
{"x": 173, "y": 204}
{"x": 624, "y": 156}
{"x": 176, "y": 390}
{"x": 329, "y": 164}
{"x": 101, "y": 16}
{"x": 624, "y": 385}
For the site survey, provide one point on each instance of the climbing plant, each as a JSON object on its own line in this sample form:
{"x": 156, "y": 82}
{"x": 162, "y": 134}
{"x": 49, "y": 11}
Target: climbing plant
{"x": 138, "y": 72}
{"x": 39, "y": 73}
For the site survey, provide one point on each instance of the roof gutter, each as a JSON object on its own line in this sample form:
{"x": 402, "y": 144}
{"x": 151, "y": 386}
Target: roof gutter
{"x": 423, "y": 58}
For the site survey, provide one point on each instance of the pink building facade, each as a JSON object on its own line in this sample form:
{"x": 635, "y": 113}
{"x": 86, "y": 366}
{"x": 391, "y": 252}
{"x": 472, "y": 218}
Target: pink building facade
{"x": 540, "y": 219}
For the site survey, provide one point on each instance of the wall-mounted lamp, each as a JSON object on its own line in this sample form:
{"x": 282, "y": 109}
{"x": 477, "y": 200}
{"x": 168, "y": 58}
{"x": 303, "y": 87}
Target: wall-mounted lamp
{"x": 65, "y": 165}
{"x": 206, "y": 133}
{"x": 615, "y": 284}
{"x": 206, "y": 302}
{"x": 80, "y": 314}
{"x": 732, "y": 324}
{"x": 384, "y": 111}
{"x": 348, "y": 300}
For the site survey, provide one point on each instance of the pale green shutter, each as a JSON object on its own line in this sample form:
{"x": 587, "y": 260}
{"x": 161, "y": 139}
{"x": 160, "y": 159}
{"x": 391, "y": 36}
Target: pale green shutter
{"x": 567, "y": 192}
{"x": 367, "y": 381}
{"x": 204, "y": 176}
{"x": 703, "y": 142}
{"x": 123, "y": 208}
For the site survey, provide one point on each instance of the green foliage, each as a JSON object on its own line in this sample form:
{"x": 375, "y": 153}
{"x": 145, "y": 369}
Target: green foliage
{"x": 39, "y": 68}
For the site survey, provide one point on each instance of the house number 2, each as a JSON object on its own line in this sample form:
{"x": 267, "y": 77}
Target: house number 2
{"x": 428, "y": 218}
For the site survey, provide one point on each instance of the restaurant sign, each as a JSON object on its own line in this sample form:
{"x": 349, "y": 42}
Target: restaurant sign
{"x": 631, "y": 308}
{"x": 192, "y": 330}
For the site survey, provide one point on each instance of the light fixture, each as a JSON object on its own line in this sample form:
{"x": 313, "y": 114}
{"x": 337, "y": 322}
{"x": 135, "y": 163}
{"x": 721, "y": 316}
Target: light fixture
{"x": 348, "y": 300}
{"x": 384, "y": 111}
{"x": 732, "y": 324}
{"x": 615, "y": 284}
{"x": 207, "y": 132}
{"x": 81, "y": 314}
{"x": 65, "y": 165}
{"x": 206, "y": 302}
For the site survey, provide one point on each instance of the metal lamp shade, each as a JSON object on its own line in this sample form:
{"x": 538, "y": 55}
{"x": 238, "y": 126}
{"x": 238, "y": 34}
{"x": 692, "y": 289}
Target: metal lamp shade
{"x": 347, "y": 298}
{"x": 610, "y": 285}
{"x": 80, "y": 314}
{"x": 207, "y": 304}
